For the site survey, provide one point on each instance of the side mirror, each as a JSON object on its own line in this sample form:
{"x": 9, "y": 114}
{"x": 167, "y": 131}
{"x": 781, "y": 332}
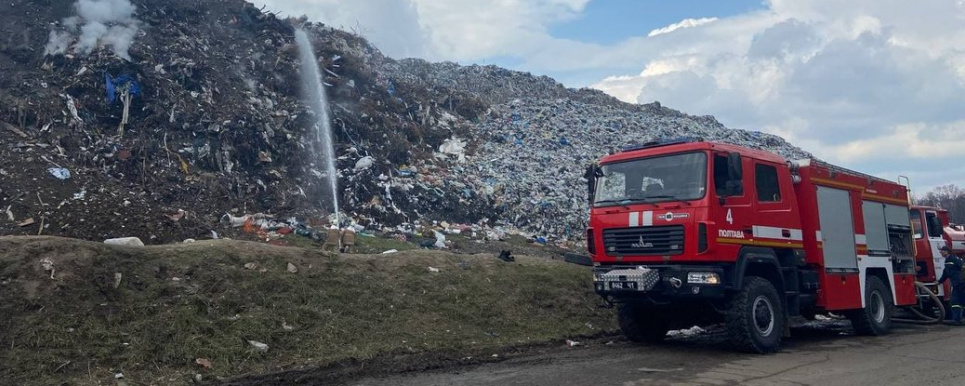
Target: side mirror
{"x": 592, "y": 173}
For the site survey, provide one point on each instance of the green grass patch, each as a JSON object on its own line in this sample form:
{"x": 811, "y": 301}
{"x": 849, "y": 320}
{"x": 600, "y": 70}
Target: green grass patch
{"x": 175, "y": 304}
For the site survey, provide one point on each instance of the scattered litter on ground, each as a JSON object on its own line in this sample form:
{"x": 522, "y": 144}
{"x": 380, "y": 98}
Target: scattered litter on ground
{"x": 695, "y": 330}
{"x": 126, "y": 241}
{"x": 258, "y": 346}
{"x": 48, "y": 266}
{"x": 203, "y": 362}
{"x": 59, "y": 173}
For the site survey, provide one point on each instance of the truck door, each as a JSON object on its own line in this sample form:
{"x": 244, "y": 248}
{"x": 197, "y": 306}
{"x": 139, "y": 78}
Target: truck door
{"x": 777, "y": 222}
{"x": 935, "y": 232}
{"x": 735, "y": 219}
{"x": 925, "y": 255}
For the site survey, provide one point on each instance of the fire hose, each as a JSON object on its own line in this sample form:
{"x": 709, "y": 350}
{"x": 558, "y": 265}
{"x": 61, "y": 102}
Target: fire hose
{"x": 924, "y": 319}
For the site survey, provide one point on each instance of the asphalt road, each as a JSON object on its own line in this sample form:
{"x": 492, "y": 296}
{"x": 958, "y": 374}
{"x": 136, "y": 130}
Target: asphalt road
{"x": 823, "y": 353}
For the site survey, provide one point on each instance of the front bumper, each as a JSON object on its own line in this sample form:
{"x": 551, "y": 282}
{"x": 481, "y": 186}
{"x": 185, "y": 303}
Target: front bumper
{"x": 657, "y": 282}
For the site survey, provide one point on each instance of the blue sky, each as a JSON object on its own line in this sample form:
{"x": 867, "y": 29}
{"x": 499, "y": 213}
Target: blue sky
{"x": 612, "y": 21}
{"x": 872, "y": 85}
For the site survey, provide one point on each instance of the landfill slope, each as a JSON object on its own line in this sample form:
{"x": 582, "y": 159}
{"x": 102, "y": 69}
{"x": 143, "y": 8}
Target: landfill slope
{"x": 78, "y": 312}
{"x": 215, "y": 126}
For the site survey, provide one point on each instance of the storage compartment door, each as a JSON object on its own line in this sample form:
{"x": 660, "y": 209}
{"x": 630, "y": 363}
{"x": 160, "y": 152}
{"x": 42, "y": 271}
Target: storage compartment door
{"x": 837, "y": 229}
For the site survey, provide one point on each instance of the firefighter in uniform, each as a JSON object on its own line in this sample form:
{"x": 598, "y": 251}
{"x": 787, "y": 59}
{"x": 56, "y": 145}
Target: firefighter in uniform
{"x": 953, "y": 273}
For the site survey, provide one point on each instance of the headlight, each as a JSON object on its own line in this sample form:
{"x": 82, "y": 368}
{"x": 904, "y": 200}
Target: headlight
{"x": 703, "y": 278}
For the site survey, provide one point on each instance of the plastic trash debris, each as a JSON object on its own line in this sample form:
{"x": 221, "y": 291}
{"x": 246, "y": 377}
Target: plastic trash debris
{"x": 119, "y": 85}
{"x": 260, "y": 347}
{"x": 454, "y": 146}
{"x": 203, "y": 362}
{"x": 72, "y": 107}
{"x": 287, "y": 327}
{"x": 235, "y": 221}
{"x": 48, "y": 266}
{"x": 117, "y": 279}
{"x": 60, "y": 173}
{"x": 127, "y": 241}
{"x": 27, "y": 222}
{"x": 431, "y": 269}
{"x": 573, "y": 343}
{"x": 440, "y": 240}
{"x": 188, "y": 241}
{"x": 177, "y": 216}
{"x": 391, "y": 251}
{"x": 364, "y": 163}
{"x": 292, "y": 268}
{"x": 251, "y": 265}
{"x": 506, "y": 256}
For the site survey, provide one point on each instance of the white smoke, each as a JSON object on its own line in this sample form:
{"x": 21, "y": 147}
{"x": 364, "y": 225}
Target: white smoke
{"x": 99, "y": 23}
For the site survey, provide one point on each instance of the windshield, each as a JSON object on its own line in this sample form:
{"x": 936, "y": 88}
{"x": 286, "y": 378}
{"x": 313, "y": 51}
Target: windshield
{"x": 675, "y": 177}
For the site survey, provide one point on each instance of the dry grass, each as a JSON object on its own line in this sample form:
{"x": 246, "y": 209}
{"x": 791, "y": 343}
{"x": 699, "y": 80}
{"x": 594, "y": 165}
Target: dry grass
{"x": 79, "y": 328}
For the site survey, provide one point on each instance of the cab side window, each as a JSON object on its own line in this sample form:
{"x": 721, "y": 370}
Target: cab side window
{"x": 724, "y": 185}
{"x": 768, "y": 190}
{"x": 935, "y": 228}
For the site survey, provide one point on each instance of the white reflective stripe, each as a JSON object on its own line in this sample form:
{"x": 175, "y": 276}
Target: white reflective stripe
{"x": 647, "y": 218}
{"x": 634, "y": 219}
{"x": 860, "y": 239}
{"x": 777, "y": 233}
{"x": 817, "y": 235}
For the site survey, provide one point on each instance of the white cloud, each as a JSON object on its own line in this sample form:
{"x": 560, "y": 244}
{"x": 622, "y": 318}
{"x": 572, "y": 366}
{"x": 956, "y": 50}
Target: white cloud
{"x": 393, "y": 26}
{"x": 874, "y": 85}
{"x": 685, "y": 23}
{"x": 440, "y": 29}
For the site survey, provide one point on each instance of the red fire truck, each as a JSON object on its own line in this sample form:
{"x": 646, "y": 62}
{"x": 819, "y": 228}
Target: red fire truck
{"x": 687, "y": 232}
{"x": 931, "y": 230}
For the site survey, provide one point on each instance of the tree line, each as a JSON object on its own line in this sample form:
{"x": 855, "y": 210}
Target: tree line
{"x": 948, "y": 197}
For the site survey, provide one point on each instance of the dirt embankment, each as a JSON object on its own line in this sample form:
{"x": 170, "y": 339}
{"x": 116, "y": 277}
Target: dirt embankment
{"x": 80, "y": 312}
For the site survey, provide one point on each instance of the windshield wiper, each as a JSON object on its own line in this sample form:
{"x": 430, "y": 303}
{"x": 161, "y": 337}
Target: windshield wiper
{"x": 660, "y": 196}
{"x": 622, "y": 201}
{"x": 672, "y": 197}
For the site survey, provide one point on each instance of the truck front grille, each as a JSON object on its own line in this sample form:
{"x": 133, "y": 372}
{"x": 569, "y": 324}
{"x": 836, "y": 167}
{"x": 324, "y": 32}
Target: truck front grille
{"x": 658, "y": 240}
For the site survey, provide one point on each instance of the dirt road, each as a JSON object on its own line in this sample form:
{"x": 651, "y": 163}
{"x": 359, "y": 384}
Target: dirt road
{"x": 817, "y": 355}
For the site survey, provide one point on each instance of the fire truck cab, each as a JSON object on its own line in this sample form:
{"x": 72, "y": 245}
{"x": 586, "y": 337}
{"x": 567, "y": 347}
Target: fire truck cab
{"x": 931, "y": 230}
{"x": 686, "y": 232}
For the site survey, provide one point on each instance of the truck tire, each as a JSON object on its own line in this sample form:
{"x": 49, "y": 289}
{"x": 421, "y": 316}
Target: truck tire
{"x": 640, "y": 327}
{"x": 875, "y": 318}
{"x": 755, "y": 317}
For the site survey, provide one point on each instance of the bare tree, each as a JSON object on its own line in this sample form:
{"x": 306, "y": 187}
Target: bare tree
{"x": 948, "y": 197}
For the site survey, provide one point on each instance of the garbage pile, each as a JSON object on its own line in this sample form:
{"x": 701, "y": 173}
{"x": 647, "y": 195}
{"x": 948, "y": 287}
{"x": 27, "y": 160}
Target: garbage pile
{"x": 533, "y": 153}
{"x": 198, "y": 122}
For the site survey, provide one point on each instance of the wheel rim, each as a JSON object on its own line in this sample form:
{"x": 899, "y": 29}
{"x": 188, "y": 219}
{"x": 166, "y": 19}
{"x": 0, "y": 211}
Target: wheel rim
{"x": 763, "y": 315}
{"x": 877, "y": 307}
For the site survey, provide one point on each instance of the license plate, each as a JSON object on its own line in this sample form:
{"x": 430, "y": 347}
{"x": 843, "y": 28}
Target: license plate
{"x": 623, "y": 285}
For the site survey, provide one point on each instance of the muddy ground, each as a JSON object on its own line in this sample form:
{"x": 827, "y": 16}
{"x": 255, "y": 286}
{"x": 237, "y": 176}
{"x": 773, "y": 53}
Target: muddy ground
{"x": 818, "y": 354}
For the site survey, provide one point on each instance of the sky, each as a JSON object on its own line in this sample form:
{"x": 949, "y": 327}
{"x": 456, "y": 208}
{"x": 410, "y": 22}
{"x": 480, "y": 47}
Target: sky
{"x": 872, "y": 85}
